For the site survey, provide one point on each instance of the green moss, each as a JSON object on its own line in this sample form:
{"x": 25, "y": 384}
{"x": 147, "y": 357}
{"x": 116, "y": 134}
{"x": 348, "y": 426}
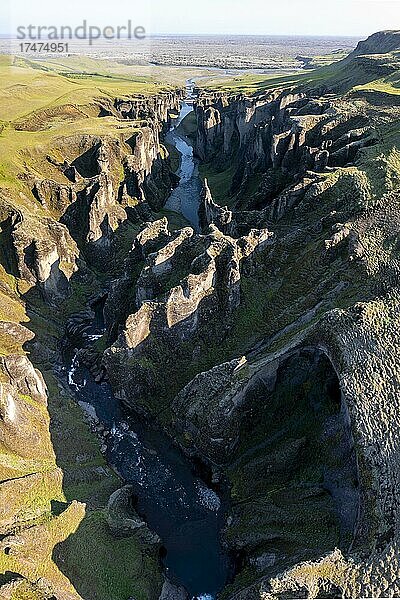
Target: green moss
{"x": 219, "y": 181}
{"x": 105, "y": 567}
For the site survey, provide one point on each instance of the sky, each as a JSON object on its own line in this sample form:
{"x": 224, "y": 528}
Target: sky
{"x": 269, "y": 17}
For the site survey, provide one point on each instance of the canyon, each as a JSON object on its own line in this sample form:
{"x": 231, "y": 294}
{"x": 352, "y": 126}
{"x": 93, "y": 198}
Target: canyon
{"x": 208, "y": 336}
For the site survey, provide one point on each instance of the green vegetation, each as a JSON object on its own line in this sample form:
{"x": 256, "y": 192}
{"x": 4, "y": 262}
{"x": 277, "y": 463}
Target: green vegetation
{"x": 40, "y": 106}
{"x": 104, "y": 567}
{"x": 253, "y": 84}
{"x": 355, "y": 74}
{"x": 45, "y": 109}
{"x": 283, "y": 293}
{"x": 27, "y": 85}
{"x": 219, "y": 181}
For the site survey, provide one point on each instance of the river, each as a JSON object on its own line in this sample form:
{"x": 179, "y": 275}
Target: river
{"x": 185, "y": 197}
{"x": 176, "y": 503}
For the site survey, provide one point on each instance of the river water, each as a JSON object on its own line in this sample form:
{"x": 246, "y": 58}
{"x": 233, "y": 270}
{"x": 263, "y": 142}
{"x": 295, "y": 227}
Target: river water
{"x": 175, "y": 502}
{"x": 185, "y": 197}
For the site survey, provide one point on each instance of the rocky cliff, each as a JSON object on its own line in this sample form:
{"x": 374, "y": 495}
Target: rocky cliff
{"x": 174, "y": 322}
{"x": 279, "y": 373}
{"x": 314, "y": 168}
{"x": 30, "y": 481}
{"x": 275, "y": 140}
{"x": 265, "y": 345}
{"x": 54, "y": 228}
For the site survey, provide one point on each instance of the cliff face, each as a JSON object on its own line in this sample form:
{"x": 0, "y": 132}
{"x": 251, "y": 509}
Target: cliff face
{"x": 280, "y": 372}
{"x": 156, "y": 108}
{"x": 267, "y": 345}
{"x": 52, "y": 231}
{"x": 378, "y": 43}
{"x": 110, "y": 180}
{"x": 275, "y": 139}
{"x": 30, "y": 480}
{"x": 305, "y": 166}
{"x": 174, "y": 321}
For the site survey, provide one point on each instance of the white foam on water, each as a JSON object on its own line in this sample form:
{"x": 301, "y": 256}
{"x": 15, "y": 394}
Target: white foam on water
{"x": 89, "y": 410}
{"x": 74, "y": 366}
{"x": 207, "y": 497}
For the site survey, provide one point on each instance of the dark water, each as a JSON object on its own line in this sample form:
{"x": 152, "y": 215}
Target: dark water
{"x": 177, "y": 505}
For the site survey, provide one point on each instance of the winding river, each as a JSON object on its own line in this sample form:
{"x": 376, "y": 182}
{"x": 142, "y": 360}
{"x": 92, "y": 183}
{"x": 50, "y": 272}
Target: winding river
{"x": 185, "y": 197}
{"x": 175, "y": 502}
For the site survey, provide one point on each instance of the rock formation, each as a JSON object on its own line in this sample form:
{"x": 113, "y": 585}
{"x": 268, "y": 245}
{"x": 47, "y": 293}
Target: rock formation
{"x": 172, "y": 321}
{"x": 266, "y": 346}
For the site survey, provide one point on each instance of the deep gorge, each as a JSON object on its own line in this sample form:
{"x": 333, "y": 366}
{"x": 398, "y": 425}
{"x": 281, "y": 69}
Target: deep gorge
{"x": 274, "y": 461}
{"x": 235, "y": 365}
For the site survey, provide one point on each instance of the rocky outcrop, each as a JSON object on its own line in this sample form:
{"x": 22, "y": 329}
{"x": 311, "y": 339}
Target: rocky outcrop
{"x": 102, "y": 201}
{"x": 212, "y": 397}
{"x": 153, "y": 108}
{"x": 40, "y": 251}
{"x": 378, "y": 43}
{"x": 120, "y": 301}
{"x": 30, "y": 480}
{"x": 170, "y": 591}
{"x": 278, "y": 137}
{"x": 95, "y": 213}
{"x": 148, "y": 178}
{"x": 123, "y": 520}
{"x": 54, "y": 196}
{"x": 172, "y": 321}
{"x": 95, "y": 199}
{"x": 211, "y": 213}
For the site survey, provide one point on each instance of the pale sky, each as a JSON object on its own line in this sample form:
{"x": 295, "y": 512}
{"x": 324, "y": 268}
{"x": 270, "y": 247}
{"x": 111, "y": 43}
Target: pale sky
{"x": 270, "y": 17}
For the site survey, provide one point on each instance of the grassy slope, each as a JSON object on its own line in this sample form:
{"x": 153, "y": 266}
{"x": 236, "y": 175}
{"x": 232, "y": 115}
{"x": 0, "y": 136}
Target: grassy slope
{"x": 58, "y": 107}
{"x": 39, "y": 106}
{"x": 350, "y": 73}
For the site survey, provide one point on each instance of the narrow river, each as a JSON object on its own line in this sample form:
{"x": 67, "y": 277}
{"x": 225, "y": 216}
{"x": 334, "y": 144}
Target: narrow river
{"x": 185, "y": 197}
{"x": 175, "y": 502}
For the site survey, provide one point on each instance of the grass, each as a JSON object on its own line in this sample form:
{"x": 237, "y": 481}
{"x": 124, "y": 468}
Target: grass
{"x": 252, "y": 84}
{"x": 33, "y": 85}
{"x": 219, "y": 181}
{"x": 107, "y": 567}
{"x": 358, "y": 74}
{"x": 45, "y": 108}
{"x": 84, "y": 556}
{"x": 27, "y": 150}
